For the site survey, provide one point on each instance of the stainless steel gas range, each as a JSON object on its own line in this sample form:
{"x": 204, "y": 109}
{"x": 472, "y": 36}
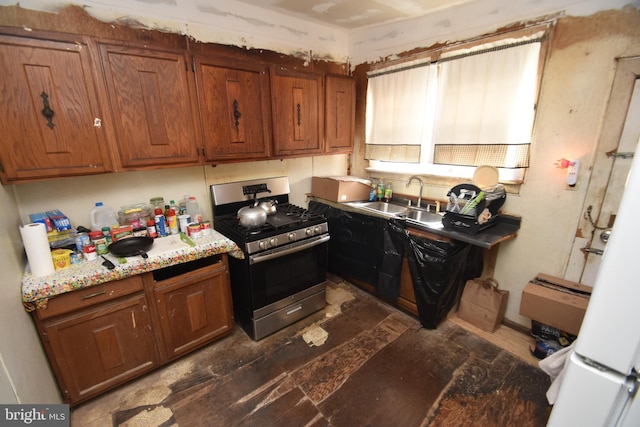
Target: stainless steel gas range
{"x": 282, "y": 277}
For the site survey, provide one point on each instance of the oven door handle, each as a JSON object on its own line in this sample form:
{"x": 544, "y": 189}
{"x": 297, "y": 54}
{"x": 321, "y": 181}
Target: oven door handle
{"x": 254, "y": 259}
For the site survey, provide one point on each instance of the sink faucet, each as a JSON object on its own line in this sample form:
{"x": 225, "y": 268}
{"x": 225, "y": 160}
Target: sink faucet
{"x": 421, "y": 185}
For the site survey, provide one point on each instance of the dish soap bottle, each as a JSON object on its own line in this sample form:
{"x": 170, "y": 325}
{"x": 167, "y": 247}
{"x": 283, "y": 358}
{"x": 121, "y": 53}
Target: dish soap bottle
{"x": 372, "y": 192}
{"x": 380, "y": 189}
{"x": 388, "y": 192}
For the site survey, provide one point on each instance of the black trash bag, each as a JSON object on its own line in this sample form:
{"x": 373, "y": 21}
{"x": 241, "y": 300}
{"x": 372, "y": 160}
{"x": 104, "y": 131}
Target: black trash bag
{"x": 394, "y": 237}
{"x": 439, "y": 271}
{"x": 355, "y": 247}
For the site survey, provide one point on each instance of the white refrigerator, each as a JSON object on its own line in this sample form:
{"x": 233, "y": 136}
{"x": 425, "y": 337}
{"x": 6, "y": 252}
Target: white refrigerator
{"x": 601, "y": 382}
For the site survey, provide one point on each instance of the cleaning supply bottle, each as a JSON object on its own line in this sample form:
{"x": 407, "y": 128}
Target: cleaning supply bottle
{"x": 380, "y": 189}
{"x": 172, "y": 222}
{"x": 372, "y": 192}
{"x": 388, "y": 192}
{"x": 193, "y": 209}
{"x": 102, "y": 216}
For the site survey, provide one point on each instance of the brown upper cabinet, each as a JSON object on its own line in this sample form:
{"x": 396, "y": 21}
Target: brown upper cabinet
{"x": 75, "y": 105}
{"x": 234, "y": 109}
{"x": 340, "y": 111}
{"x": 298, "y": 116}
{"x": 152, "y": 98}
{"x": 50, "y": 119}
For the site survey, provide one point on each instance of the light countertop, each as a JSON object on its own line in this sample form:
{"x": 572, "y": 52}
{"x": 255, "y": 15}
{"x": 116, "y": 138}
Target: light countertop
{"x": 165, "y": 252}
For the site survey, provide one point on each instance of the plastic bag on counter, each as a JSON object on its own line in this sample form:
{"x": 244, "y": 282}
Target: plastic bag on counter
{"x": 439, "y": 271}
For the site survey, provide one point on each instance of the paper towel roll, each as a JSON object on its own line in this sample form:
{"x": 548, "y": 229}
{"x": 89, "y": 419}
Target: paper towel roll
{"x": 36, "y": 244}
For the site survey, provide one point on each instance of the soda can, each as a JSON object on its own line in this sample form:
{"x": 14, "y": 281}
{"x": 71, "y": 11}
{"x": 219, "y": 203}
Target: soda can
{"x": 161, "y": 225}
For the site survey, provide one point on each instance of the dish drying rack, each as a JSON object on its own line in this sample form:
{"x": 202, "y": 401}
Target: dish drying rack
{"x": 471, "y": 209}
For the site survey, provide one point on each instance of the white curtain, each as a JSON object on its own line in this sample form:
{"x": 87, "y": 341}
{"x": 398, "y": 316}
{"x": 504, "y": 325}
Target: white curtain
{"x": 398, "y": 106}
{"x": 489, "y": 98}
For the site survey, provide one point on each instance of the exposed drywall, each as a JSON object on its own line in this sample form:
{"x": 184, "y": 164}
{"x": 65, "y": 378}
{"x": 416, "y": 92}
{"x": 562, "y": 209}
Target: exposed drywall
{"x": 463, "y": 22}
{"x": 228, "y": 23}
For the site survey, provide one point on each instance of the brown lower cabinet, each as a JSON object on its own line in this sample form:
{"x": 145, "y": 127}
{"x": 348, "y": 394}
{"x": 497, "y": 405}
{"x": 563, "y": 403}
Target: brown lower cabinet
{"x": 193, "y": 310}
{"x": 99, "y": 337}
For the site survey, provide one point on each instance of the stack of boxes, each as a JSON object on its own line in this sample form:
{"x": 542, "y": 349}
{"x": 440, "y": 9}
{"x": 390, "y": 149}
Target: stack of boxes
{"x": 556, "y": 308}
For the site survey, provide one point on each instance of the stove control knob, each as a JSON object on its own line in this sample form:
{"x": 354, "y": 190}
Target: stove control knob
{"x": 317, "y": 230}
{"x": 309, "y": 231}
{"x": 292, "y": 237}
{"x": 273, "y": 241}
{"x": 262, "y": 245}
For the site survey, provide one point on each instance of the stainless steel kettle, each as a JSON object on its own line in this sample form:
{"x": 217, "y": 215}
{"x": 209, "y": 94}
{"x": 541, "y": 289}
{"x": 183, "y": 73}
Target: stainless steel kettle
{"x": 252, "y": 216}
{"x": 268, "y": 205}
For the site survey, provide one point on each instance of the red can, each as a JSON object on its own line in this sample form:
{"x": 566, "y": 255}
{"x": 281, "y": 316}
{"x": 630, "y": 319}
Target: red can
{"x": 89, "y": 251}
{"x": 205, "y": 228}
{"x": 194, "y": 230}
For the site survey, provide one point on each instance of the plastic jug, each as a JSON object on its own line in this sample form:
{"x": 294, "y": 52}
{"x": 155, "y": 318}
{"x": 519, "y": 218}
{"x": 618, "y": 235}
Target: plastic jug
{"x": 102, "y": 216}
{"x": 193, "y": 209}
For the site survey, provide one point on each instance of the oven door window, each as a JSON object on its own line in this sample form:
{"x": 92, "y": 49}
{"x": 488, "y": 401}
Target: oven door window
{"x": 284, "y": 276}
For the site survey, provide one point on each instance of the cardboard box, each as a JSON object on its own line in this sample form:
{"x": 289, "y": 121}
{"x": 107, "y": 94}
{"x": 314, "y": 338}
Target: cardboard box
{"x": 556, "y": 302}
{"x": 59, "y": 220}
{"x": 340, "y": 188}
{"x": 43, "y": 218}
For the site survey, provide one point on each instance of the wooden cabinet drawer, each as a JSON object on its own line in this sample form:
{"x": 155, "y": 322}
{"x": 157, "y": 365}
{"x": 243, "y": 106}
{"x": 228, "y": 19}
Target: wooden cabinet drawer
{"x": 90, "y": 296}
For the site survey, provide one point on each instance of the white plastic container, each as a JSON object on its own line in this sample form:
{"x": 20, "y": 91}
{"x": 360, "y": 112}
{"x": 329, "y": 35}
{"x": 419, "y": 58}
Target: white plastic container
{"x": 102, "y": 216}
{"x": 193, "y": 209}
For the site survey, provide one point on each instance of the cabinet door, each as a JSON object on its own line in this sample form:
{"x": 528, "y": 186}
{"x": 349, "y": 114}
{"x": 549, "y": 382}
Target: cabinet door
{"x": 101, "y": 347}
{"x": 298, "y": 118}
{"x": 152, "y": 102}
{"x": 234, "y": 109}
{"x": 194, "y": 308}
{"x": 50, "y": 120}
{"x": 340, "y": 110}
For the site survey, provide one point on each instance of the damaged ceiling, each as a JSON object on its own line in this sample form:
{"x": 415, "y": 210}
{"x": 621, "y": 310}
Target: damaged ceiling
{"x": 352, "y": 14}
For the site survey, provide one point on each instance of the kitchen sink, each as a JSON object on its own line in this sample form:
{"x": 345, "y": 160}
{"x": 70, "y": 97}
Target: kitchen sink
{"x": 413, "y": 215}
{"x": 423, "y": 217}
{"x": 388, "y": 209}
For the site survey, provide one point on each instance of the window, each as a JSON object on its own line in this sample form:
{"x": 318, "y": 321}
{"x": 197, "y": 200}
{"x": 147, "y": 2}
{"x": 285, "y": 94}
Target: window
{"x": 472, "y": 107}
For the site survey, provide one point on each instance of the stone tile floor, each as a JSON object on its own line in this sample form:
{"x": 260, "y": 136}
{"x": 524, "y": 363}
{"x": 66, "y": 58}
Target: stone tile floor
{"x": 358, "y": 362}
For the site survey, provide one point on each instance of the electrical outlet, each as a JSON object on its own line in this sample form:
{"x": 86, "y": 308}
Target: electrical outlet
{"x": 572, "y": 173}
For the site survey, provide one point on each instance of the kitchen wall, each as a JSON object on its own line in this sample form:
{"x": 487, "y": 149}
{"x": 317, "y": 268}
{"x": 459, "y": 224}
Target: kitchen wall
{"x": 574, "y": 93}
{"x": 121, "y": 189}
{"x": 25, "y": 376}
{"x": 576, "y": 82}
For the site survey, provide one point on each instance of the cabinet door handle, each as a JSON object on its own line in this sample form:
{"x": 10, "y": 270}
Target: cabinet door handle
{"x": 236, "y": 113}
{"x": 299, "y": 109}
{"x": 95, "y": 294}
{"x": 47, "y": 112}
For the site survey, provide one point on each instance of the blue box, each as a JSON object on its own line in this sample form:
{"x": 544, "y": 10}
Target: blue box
{"x": 59, "y": 220}
{"x": 43, "y": 218}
